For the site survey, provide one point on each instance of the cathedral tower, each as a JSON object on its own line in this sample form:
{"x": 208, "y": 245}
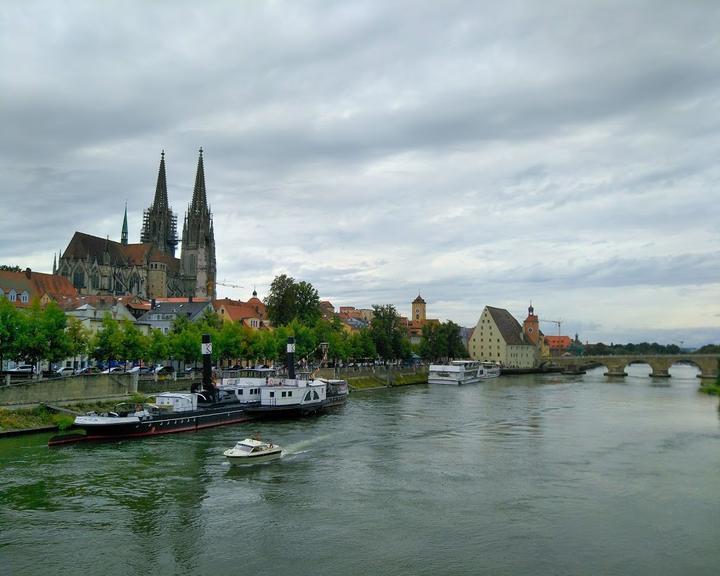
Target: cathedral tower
{"x": 198, "y": 241}
{"x": 159, "y": 222}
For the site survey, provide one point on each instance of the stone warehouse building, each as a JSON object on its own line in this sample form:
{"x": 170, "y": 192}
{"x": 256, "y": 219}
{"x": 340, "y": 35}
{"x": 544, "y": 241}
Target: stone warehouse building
{"x": 149, "y": 269}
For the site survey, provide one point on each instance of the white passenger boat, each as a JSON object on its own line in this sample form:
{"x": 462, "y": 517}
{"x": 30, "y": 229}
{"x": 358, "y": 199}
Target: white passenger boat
{"x": 252, "y": 451}
{"x": 462, "y": 372}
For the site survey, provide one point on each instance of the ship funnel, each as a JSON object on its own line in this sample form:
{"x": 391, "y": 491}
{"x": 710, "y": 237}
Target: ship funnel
{"x": 291, "y": 357}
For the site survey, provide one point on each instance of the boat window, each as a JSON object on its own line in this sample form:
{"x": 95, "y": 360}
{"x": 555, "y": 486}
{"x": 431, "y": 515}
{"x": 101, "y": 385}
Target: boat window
{"x": 307, "y": 396}
{"x": 290, "y": 393}
{"x": 240, "y": 392}
{"x": 284, "y": 394}
{"x": 272, "y": 394}
{"x": 315, "y": 395}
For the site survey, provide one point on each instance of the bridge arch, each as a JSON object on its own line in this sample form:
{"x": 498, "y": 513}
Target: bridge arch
{"x": 707, "y": 364}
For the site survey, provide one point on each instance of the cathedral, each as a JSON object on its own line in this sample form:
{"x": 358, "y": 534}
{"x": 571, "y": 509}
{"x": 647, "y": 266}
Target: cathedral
{"x": 149, "y": 269}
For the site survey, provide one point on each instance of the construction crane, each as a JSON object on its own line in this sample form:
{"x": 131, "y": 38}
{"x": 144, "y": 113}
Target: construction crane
{"x": 558, "y": 322}
{"x": 228, "y": 284}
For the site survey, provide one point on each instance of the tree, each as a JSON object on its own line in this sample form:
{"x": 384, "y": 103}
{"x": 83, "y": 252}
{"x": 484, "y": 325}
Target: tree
{"x": 307, "y": 303}
{"x": 78, "y": 337}
{"x": 158, "y": 346}
{"x": 288, "y": 300}
{"x": 134, "y": 344}
{"x": 387, "y": 333}
{"x": 280, "y": 302}
{"x": 11, "y": 331}
{"x": 54, "y": 324}
{"x": 107, "y": 343}
{"x": 44, "y": 337}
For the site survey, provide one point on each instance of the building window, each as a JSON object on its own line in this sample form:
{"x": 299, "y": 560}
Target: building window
{"x": 12, "y": 295}
{"x": 24, "y": 297}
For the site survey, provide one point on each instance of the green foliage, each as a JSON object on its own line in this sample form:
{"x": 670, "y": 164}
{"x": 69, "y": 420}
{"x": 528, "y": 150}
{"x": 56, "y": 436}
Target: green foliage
{"x": 158, "y": 346}
{"x": 107, "y": 344}
{"x": 708, "y": 349}
{"x": 11, "y": 331}
{"x": 601, "y": 349}
{"x": 387, "y": 334}
{"x": 78, "y": 337}
{"x": 442, "y": 342}
{"x": 133, "y": 343}
{"x": 289, "y": 300}
{"x": 307, "y": 303}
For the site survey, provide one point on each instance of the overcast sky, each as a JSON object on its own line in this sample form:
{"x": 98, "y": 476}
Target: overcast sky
{"x": 478, "y": 153}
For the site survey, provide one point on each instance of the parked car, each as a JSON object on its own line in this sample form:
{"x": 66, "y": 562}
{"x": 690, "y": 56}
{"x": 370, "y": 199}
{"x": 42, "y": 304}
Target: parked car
{"x": 134, "y": 369}
{"x": 23, "y": 368}
{"x": 147, "y": 370}
{"x": 88, "y": 370}
{"x": 112, "y": 370}
{"x": 65, "y": 371}
{"x": 164, "y": 370}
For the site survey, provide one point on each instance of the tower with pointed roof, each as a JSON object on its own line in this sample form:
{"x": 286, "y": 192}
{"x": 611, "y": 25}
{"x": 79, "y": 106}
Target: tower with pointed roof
{"x": 159, "y": 221}
{"x": 198, "y": 241}
{"x": 418, "y": 309}
{"x": 124, "y": 233}
{"x": 531, "y": 325}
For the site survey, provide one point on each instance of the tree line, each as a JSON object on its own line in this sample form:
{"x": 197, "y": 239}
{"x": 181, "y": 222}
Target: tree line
{"x": 39, "y": 333}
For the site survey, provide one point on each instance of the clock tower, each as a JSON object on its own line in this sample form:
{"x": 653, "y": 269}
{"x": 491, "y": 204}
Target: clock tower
{"x": 418, "y": 309}
{"x": 531, "y": 325}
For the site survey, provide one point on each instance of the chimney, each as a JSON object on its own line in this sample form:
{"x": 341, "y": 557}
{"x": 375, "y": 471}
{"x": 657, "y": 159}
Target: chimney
{"x": 291, "y": 357}
{"x": 28, "y": 273}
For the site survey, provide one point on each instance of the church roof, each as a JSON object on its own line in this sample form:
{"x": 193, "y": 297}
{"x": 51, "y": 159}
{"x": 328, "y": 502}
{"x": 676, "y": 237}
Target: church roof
{"x": 83, "y": 245}
{"x": 418, "y": 300}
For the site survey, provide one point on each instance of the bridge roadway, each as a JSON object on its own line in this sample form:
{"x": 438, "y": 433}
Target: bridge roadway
{"x": 660, "y": 364}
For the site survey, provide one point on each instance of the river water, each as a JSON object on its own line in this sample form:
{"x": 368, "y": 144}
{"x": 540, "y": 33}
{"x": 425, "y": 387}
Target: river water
{"x": 541, "y": 474}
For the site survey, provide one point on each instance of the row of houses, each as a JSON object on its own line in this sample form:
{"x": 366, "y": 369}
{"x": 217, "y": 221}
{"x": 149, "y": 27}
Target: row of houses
{"x": 497, "y": 336}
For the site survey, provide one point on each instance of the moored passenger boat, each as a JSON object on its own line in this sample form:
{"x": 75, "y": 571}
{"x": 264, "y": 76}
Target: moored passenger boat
{"x": 171, "y": 412}
{"x": 460, "y": 372}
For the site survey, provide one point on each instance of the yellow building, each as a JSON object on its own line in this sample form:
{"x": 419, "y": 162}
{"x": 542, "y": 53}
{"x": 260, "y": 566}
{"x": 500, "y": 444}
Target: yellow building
{"x": 499, "y": 337}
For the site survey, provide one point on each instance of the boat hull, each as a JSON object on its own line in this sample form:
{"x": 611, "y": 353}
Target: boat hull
{"x": 103, "y": 428}
{"x": 249, "y": 459}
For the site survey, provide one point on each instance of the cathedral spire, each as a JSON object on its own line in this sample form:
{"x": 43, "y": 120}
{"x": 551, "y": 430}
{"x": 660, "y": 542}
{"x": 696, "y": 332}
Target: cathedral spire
{"x": 124, "y": 234}
{"x": 159, "y": 222}
{"x": 161, "y": 196}
{"x": 199, "y": 199}
{"x": 198, "y": 241}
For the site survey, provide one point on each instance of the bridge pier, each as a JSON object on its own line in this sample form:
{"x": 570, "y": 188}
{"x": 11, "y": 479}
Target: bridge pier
{"x": 615, "y": 373}
{"x": 660, "y": 373}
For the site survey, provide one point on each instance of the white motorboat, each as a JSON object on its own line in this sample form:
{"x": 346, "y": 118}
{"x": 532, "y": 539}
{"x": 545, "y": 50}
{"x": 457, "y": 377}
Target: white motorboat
{"x": 460, "y": 372}
{"x": 252, "y": 451}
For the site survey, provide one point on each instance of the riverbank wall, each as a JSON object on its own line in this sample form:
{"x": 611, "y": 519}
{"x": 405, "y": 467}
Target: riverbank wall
{"x": 70, "y": 389}
{"x": 376, "y": 376}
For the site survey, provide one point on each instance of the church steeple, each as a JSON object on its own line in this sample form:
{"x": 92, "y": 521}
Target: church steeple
{"x": 159, "y": 222}
{"x": 124, "y": 233}
{"x": 199, "y": 199}
{"x": 198, "y": 240}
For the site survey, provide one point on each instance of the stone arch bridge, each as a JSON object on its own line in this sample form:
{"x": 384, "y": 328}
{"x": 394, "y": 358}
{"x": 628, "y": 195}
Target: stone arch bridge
{"x": 660, "y": 364}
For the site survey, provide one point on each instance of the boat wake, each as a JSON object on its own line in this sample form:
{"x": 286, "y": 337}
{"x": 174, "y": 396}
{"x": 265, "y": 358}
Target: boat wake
{"x": 303, "y": 446}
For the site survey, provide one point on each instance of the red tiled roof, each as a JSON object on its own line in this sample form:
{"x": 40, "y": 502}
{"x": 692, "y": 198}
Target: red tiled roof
{"x": 37, "y": 284}
{"x": 558, "y": 341}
